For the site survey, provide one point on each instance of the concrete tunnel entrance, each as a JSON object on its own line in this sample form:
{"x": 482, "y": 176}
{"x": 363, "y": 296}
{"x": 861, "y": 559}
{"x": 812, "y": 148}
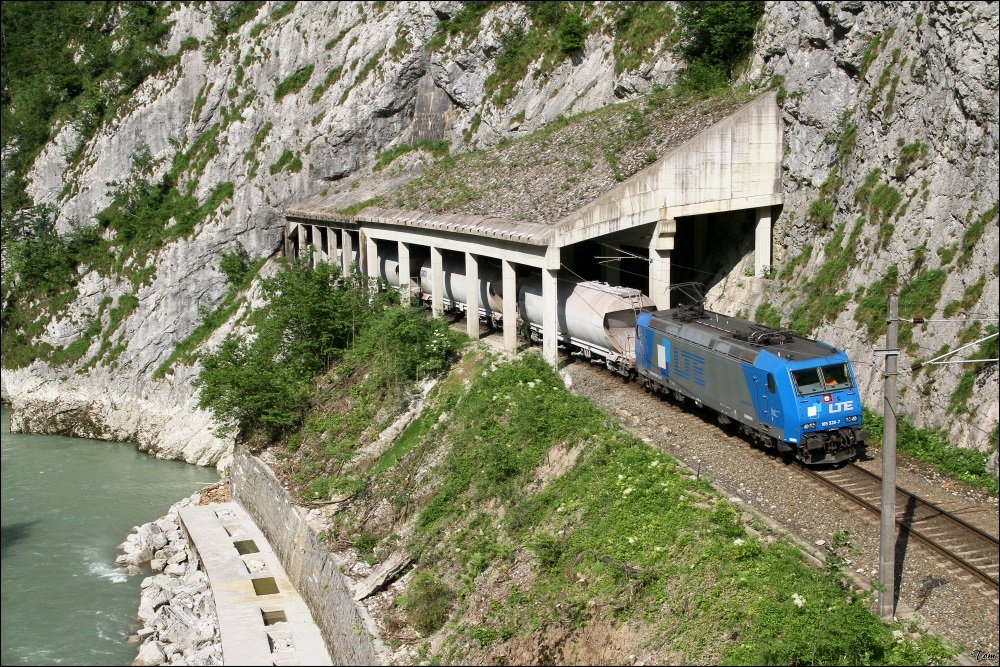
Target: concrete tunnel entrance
{"x": 706, "y": 249}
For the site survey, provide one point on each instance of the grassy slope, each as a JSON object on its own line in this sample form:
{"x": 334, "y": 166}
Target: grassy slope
{"x": 542, "y": 532}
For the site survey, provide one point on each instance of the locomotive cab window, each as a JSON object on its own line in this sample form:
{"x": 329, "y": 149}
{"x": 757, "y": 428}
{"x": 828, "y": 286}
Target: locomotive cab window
{"x": 808, "y": 381}
{"x": 815, "y": 380}
{"x": 771, "y": 386}
{"x": 836, "y": 376}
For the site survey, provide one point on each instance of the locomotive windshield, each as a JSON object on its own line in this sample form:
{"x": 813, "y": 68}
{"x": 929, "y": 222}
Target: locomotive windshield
{"x": 825, "y": 378}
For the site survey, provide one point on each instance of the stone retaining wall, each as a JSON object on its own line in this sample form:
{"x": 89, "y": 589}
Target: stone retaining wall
{"x": 349, "y": 633}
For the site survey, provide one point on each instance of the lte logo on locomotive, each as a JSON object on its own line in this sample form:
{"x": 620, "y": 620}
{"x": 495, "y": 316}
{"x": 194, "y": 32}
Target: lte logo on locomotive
{"x": 843, "y": 406}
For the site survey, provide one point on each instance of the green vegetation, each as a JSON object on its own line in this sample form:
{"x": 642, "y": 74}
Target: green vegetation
{"x": 826, "y": 297}
{"x": 908, "y": 155}
{"x": 141, "y": 218}
{"x": 821, "y": 213}
{"x": 874, "y": 48}
{"x": 333, "y": 41}
{"x": 917, "y": 298}
{"x": 970, "y": 297}
{"x": 884, "y": 79}
{"x": 332, "y": 76}
{"x": 283, "y": 10}
{"x": 437, "y": 149}
{"x": 39, "y": 276}
{"x": 768, "y": 315}
{"x": 361, "y": 205}
{"x": 240, "y": 270}
{"x": 932, "y": 447}
{"x": 975, "y": 231}
{"x": 988, "y": 349}
{"x": 287, "y": 161}
{"x": 427, "y": 602}
{"x": 798, "y": 262}
{"x": 465, "y": 22}
{"x": 229, "y": 19}
{"x": 872, "y": 308}
{"x": 524, "y": 477}
{"x": 716, "y": 39}
{"x": 557, "y": 29}
{"x": 263, "y": 384}
{"x": 294, "y": 82}
{"x": 638, "y": 28}
{"x": 880, "y": 201}
{"x": 48, "y": 79}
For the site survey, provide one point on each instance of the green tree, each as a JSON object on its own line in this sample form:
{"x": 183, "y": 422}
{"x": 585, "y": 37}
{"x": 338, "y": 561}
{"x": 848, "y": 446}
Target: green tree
{"x": 261, "y": 379}
{"x": 717, "y": 36}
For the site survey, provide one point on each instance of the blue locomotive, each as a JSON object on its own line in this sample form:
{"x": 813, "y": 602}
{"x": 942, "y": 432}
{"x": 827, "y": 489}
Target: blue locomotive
{"x": 793, "y": 394}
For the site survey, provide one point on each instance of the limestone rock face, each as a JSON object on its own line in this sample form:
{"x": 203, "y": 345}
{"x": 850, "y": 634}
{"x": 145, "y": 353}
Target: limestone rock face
{"x": 928, "y": 79}
{"x": 916, "y": 85}
{"x": 373, "y": 85}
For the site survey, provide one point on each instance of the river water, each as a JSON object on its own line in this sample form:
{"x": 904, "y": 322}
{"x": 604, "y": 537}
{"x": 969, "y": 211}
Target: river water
{"x": 67, "y": 504}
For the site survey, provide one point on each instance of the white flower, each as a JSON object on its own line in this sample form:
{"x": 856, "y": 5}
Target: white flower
{"x": 738, "y": 541}
{"x": 631, "y": 540}
{"x": 621, "y": 477}
{"x": 798, "y": 600}
{"x": 657, "y": 548}
{"x": 627, "y": 491}
{"x": 654, "y": 464}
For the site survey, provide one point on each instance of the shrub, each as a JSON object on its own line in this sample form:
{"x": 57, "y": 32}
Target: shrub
{"x": 968, "y": 465}
{"x": 294, "y": 82}
{"x": 235, "y": 264}
{"x": 718, "y": 35}
{"x": 262, "y": 381}
{"x": 572, "y": 32}
{"x": 821, "y": 213}
{"x": 768, "y": 315}
{"x": 426, "y": 602}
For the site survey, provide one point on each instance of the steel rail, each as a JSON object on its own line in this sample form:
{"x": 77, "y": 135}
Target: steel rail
{"x": 959, "y": 527}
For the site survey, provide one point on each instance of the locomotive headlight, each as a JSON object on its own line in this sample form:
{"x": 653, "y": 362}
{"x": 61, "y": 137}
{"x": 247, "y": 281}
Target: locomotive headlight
{"x": 809, "y": 425}
{"x": 851, "y": 419}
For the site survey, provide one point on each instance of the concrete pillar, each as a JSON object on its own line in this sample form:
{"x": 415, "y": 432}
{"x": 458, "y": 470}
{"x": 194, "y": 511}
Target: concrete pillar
{"x": 371, "y": 258}
{"x": 437, "y": 282}
{"x": 333, "y": 242}
{"x": 348, "y": 251}
{"x": 550, "y": 315}
{"x": 305, "y": 243}
{"x": 291, "y": 229}
{"x": 331, "y": 245}
{"x": 762, "y": 241}
{"x": 404, "y": 272}
{"x": 509, "y": 306}
{"x": 322, "y": 234}
{"x": 660, "y": 247}
{"x": 472, "y": 295}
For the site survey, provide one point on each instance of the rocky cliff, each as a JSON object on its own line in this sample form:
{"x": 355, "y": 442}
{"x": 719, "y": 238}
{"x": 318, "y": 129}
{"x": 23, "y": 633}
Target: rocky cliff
{"x": 891, "y": 160}
{"x": 890, "y": 177}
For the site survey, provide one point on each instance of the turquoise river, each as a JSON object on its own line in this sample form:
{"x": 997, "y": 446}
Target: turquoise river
{"x": 67, "y": 504}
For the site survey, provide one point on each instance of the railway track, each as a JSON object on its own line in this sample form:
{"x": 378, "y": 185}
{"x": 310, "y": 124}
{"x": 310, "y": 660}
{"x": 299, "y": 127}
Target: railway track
{"x": 974, "y": 550}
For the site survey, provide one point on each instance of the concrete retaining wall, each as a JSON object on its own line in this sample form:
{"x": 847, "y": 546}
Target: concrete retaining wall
{"x": 313, "y": 569}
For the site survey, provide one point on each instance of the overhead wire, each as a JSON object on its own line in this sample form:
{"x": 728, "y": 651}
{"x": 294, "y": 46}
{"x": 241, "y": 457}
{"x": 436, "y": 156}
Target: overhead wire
{"x": 750, "y": 305}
